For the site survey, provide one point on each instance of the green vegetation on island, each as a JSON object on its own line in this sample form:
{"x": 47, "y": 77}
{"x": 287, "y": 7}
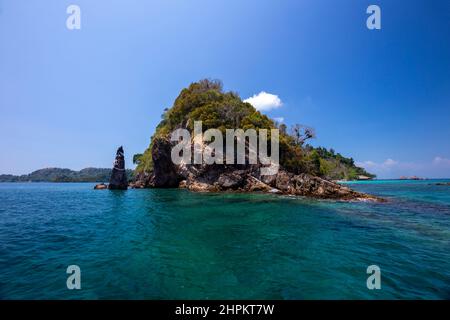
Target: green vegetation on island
{"x": 207, "y": 102}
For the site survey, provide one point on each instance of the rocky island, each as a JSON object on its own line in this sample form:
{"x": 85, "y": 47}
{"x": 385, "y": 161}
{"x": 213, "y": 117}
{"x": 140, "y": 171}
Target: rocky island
{"x": 304, "y": 171}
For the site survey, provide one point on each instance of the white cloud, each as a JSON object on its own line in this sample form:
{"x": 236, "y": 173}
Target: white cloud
{"x": 385, "y": 165}
{"x": 439, "y": 167}
{"x": 264, "y": 101}
{"x": 389, "y": 163}
{"x": 365, "y": 164}
{"x": 439, "y": 161}
{"x": 392, "y": 168}
{"x": 279, "y": 119}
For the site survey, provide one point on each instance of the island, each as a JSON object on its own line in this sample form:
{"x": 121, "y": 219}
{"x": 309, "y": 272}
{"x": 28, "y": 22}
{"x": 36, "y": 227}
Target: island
{"x": 304, "y": 170}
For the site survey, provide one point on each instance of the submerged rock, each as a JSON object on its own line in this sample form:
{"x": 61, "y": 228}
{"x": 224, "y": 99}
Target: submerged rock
{"x": 118, "y": 178}
{"x": 238, "y": 178}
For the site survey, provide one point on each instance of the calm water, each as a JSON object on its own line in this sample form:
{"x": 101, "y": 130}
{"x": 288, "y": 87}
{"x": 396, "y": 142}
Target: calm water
{"x": 173, "y": 244}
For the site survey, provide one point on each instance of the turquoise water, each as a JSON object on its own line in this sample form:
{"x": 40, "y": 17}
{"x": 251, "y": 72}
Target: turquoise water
{"x": 173, "y": 244}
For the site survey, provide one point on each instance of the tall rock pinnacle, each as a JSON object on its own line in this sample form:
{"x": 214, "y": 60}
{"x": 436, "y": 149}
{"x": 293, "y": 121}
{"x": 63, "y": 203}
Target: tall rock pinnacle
{"x": 118, "y": 178}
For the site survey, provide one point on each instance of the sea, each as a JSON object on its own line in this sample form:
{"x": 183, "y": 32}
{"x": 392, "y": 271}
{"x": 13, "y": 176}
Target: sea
{"x": 175, "y": 244}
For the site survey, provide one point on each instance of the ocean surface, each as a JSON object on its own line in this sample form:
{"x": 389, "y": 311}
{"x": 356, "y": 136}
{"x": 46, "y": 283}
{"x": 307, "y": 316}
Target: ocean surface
{"x": 174, "y": 244}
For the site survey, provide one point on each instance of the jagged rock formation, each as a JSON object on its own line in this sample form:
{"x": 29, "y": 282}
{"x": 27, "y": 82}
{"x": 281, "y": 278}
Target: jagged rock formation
{"x": 118, "y": 178}
{"x": 238, "y": 178}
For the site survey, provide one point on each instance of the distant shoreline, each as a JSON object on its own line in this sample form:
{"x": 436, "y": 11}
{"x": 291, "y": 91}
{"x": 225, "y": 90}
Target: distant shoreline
{"x": 63, "y": 175}
{"x": 380, "y": 180}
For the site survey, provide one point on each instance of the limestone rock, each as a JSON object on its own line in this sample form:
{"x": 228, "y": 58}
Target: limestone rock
{"x": 118, "y": 179}
{"x": 165, "y": 173}
{"x": 230, "y": 180}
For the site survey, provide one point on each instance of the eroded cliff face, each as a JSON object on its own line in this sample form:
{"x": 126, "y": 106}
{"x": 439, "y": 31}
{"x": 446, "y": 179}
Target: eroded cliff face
{"x": 238, "y": 178}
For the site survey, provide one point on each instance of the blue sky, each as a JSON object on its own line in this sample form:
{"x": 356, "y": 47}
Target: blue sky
{"x": 69, "y": 98}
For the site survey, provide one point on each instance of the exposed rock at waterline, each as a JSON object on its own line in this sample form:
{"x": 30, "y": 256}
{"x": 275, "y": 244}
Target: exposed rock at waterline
{"x": 118, "y": 178}
{"x": 442, "y": 184}
{"x": 238, "y": 178}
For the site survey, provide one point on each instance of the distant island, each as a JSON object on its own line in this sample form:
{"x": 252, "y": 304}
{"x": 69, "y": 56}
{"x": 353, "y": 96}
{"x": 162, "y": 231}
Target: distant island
{"x": 63, "y": 175}
{"x": 411, "y": 178}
